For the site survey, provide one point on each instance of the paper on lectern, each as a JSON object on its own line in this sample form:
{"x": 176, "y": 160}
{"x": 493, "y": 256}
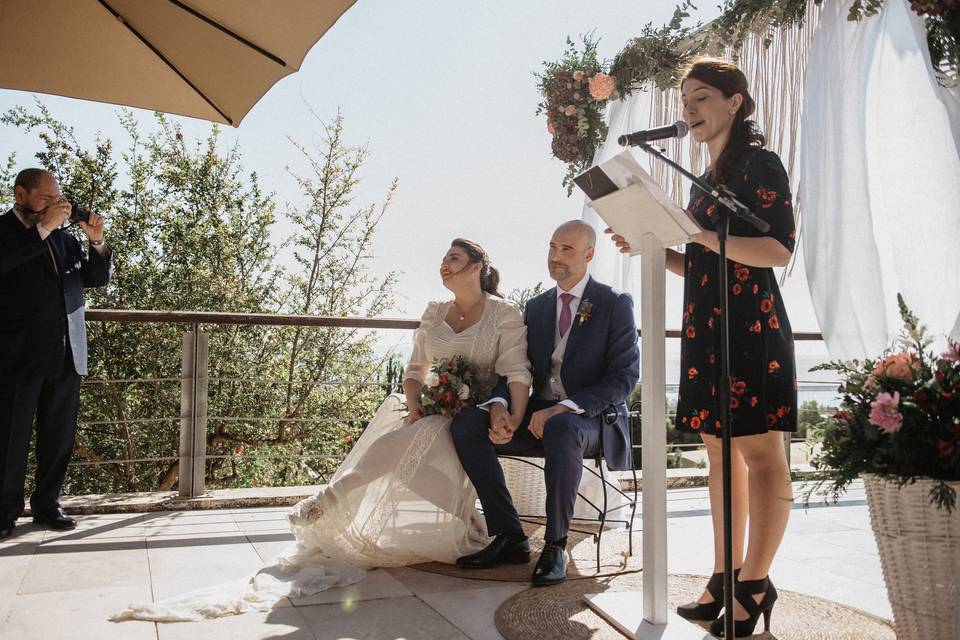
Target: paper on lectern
{"x": 631, "y": 202}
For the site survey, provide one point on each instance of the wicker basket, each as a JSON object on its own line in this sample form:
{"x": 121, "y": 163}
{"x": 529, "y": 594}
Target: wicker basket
{"x": 528, "y": 490}
{"x": 920, "y": 555}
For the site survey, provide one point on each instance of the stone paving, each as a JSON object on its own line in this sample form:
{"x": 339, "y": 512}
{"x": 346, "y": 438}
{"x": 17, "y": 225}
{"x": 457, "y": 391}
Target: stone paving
{"x": 65, "y": 585}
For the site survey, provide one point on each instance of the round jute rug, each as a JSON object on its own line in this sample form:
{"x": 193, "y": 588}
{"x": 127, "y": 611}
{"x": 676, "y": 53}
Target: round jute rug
{"x": 559, "y": 612}
{"x": 581, "y": 548}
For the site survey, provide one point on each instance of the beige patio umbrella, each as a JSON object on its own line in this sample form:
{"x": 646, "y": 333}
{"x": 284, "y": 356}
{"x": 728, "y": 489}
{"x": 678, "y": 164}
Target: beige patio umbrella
{"x": 210, "y": 59}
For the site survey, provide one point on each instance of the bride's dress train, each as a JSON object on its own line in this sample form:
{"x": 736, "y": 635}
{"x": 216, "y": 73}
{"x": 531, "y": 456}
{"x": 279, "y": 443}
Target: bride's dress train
{"x": 400, "y": 497}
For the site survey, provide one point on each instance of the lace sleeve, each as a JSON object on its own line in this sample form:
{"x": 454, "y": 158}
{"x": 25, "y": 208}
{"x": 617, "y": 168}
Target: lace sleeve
{"x": 419, "y": 364}
{"x": 512, "y": 360}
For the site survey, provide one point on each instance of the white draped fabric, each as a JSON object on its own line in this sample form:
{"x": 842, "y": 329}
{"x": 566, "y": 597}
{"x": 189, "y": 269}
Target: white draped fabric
{"x": 880, "y": 185}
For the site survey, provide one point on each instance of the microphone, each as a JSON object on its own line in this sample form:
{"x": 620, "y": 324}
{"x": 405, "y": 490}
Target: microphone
{"x": 676, "y": 130}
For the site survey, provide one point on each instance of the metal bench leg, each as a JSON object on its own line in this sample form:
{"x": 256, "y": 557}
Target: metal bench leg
{"x": 633, "y": 510}
{"x": 603, "y": 514}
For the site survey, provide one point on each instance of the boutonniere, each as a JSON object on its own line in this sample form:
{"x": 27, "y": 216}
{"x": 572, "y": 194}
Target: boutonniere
{"x": 583, "y": 311}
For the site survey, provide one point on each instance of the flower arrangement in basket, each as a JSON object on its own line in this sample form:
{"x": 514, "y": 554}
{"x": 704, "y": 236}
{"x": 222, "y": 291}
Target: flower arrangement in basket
{"x": 451, "y": 385}
{"x": 899, "y": 417}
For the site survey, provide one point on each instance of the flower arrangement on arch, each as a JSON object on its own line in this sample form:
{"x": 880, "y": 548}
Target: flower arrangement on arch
{"x": 451, "y": 385}
{"x": 899, "y": 417}
{"x": 575, "y": 93}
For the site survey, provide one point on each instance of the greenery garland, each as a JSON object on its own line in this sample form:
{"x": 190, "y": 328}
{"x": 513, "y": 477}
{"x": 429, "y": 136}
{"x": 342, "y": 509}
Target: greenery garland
{"x": 576, "y": 89}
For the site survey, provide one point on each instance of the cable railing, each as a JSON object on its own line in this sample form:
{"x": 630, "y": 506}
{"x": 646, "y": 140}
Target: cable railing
{"x": 188, "y": 464}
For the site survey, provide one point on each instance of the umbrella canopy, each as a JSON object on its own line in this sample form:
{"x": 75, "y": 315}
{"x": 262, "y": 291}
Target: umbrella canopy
{"x": 210, "y": 59}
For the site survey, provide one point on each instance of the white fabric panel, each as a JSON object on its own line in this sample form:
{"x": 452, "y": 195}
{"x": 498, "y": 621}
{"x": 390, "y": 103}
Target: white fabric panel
{"x": 879, "y": 187}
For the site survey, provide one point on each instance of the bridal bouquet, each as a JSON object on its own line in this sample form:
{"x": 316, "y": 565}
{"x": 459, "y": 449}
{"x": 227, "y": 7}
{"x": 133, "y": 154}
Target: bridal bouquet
{"x": 451, "y": 385}
{"x": 900, "y": 416}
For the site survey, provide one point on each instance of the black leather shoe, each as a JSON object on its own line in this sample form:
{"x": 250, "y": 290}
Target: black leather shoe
{"x": 501, "y": 551}
{"x": 55, "y": 519}
{"x": 6, "y": 530}
{"x": 551, "y": 567}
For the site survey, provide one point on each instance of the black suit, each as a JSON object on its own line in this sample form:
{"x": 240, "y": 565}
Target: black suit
{"x": 43, "y": 353}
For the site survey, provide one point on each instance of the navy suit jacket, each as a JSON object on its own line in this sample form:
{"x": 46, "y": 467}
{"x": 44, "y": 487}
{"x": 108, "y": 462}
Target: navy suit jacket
{"x": 601, "y": 364}
{"x": 41, "y": 306}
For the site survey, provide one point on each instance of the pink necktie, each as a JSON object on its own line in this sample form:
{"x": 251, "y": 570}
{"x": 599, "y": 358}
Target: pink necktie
{"x": 565, "y": 315}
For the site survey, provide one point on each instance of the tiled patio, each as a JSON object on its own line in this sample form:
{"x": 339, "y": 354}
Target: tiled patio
{"x": 65, "y": 585}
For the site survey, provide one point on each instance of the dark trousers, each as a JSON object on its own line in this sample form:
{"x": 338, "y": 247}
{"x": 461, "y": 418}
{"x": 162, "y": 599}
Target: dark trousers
{"x": 567, "y": 439}
{"x": 53, "y": 399}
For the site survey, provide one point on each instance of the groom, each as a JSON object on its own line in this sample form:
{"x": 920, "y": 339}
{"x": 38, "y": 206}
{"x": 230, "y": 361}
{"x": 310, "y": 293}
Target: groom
{"x": 582, "y": 344}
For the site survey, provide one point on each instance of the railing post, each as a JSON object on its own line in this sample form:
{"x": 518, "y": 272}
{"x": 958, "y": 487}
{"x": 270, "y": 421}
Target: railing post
{"x": 193, "y": 413}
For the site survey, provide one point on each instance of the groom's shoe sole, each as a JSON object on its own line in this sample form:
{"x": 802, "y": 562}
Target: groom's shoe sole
{"x": 516, "y": 559}
{"x": 501, "y": 551}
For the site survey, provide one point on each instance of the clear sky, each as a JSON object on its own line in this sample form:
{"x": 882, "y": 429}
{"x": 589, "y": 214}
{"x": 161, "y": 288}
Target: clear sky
{"x": 445, "y": 96}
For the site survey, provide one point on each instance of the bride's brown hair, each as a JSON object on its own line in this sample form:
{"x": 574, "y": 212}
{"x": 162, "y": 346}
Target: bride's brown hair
{"x": 489, "y": 277}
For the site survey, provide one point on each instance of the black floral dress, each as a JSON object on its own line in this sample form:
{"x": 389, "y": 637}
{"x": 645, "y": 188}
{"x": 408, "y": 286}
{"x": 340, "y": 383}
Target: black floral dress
{"x": 763, "y": 394}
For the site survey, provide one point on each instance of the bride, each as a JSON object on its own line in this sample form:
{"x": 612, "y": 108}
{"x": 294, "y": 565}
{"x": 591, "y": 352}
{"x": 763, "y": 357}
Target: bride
{"x": 400, "y": 497}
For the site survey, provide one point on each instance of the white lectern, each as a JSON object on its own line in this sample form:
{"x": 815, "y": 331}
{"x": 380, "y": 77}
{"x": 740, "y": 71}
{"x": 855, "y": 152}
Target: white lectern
{"x": 641, "y": 212}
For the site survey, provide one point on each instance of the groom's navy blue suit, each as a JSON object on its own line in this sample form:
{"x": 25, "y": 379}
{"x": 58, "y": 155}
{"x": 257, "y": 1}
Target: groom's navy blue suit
{"x": 600, "y": 367}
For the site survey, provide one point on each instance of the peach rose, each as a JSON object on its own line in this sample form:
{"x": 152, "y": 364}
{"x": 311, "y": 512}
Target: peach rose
{"x": 550, "y": 128}
{"x": 899, "y": 366}
{"x": 570, "y": 110}
{"x": 578, "y": 75}
{"x": 602, "y": 86}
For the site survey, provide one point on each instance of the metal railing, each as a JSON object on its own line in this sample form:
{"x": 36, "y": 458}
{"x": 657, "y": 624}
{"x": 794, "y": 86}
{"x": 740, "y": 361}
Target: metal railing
{"x": 195, "y": 380}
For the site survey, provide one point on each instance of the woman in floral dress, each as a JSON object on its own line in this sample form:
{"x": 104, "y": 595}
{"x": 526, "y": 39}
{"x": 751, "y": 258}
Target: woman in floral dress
{"x": 763, "y": 395}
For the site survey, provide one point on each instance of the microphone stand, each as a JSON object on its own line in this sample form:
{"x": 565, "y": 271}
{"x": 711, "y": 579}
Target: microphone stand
{"x": 727, "y": 205}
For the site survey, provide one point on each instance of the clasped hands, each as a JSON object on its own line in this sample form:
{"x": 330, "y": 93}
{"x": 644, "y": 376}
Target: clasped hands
{"x": 503, "y": 425}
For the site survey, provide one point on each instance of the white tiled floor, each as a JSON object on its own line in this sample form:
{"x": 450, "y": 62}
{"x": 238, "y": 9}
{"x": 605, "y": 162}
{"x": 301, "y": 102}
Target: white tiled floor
{"x": 64, "y": 585}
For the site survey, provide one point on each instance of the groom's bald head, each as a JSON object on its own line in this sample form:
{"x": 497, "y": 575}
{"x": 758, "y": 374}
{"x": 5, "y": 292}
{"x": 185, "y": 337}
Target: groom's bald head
{"x": 571, "y": 250}
{"x": 581, "y": 228}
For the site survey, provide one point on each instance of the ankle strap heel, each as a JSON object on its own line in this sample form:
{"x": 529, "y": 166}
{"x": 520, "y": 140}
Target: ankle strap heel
{"x": 744, "y": 592}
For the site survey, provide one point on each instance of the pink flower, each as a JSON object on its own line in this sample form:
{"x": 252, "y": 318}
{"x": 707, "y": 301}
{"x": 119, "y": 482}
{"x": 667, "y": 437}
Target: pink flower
{"x": 953, "y": 351}
{"x": 569, "y": 110}
{"x": 602, "y": 86}
{"x": 884, "y": 413}
{"x": 898, "y": 366}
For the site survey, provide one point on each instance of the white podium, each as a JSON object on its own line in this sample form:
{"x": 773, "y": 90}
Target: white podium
{"x": 641, "y": 212}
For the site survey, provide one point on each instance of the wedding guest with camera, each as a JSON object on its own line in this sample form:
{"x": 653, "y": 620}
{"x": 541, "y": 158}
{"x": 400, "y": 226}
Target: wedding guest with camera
{"x": 763, "y": 385}
{"x": 43, "y": 342}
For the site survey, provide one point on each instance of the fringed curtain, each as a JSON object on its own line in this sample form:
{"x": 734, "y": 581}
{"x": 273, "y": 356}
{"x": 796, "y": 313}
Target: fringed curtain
{"x": 775, "y": 71}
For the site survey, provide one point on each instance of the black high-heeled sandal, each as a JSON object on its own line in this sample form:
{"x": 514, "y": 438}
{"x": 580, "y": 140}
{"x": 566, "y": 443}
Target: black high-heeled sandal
{"x": 707, "y": 611}
{"x": 744, "y": 592}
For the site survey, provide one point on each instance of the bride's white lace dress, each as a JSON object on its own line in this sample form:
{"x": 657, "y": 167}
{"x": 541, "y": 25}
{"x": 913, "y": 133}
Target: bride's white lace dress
{"x": 399, "y": 498}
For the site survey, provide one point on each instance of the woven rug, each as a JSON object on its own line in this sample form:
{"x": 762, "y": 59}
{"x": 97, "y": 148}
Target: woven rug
{"x": 559, "y": 612}
{"x": 582, "y": 550}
